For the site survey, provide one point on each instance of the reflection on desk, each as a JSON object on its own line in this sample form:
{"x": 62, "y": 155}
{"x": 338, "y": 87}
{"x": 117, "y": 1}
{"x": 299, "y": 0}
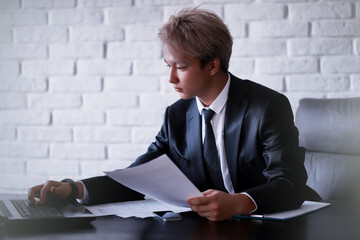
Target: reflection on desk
{"x": 340, "y": 221}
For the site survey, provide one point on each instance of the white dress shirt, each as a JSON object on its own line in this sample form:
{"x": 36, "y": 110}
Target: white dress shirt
{"x": 218, "y": 125}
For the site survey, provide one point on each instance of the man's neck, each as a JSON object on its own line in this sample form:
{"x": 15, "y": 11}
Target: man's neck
{"x": 216, "y": 85}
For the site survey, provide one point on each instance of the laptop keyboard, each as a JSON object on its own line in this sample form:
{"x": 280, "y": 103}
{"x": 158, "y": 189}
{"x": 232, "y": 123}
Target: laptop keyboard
{"x": 29, "y": 210}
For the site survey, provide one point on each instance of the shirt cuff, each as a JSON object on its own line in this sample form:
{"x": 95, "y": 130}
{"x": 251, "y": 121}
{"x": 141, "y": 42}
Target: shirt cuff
{"x": 85, "y": 198}
{"x": 251, "y": 200}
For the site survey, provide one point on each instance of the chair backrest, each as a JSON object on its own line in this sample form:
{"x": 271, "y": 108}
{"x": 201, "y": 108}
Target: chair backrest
{"x": 329, "y": 129}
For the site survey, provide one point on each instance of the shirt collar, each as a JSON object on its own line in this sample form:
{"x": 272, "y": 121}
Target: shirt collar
{"x": 219, "y": 103}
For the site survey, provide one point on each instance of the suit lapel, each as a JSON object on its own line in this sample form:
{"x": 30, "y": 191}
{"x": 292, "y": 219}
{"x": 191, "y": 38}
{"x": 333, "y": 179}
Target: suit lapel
{"x": 235, "y": 111}
{"x": 193, "y": 137}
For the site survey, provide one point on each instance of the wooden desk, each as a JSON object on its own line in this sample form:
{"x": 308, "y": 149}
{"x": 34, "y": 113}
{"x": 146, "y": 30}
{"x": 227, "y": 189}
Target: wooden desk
{"x": 341, "y": 221}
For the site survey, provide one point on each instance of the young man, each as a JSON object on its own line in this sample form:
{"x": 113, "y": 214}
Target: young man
{"x": 247, "y": 159}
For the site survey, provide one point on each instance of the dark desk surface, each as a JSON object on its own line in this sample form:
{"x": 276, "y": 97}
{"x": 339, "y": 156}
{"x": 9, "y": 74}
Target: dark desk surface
{"x": 341, "y": 221}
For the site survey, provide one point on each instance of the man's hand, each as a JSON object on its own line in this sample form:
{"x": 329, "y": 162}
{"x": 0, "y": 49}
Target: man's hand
{"x": 217, "y": 205}
{"x": 59, "y": 189}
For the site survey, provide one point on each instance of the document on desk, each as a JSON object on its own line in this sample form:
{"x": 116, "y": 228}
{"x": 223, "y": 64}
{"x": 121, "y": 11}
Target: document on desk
{"x": 306, "y": 207}
{"x": 140, "y": 209}
{"x": 159, "y": 179}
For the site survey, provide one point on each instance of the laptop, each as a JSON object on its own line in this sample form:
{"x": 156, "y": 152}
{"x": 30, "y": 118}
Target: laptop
{"x": 18, "y": 212}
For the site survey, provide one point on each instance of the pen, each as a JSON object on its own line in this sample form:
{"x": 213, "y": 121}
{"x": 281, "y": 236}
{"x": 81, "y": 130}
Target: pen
{"x": 253, "y": 216}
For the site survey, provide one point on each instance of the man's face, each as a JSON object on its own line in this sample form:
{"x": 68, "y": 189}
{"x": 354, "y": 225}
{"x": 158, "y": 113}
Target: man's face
{"x": 186, "y": 74}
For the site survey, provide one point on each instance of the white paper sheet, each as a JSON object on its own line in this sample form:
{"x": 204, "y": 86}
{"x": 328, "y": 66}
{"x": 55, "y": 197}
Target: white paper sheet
{"x": 141, "y": 208}
{"x": 306, "y": 207}
{"x": 159, "y": 179}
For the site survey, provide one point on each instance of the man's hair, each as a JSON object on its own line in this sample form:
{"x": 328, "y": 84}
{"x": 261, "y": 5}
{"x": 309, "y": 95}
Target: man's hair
{"x": 198, "y": 33}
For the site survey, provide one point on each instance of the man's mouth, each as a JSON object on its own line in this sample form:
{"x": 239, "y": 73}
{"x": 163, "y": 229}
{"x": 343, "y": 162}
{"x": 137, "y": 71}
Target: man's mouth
{"x": 178, "y": 89}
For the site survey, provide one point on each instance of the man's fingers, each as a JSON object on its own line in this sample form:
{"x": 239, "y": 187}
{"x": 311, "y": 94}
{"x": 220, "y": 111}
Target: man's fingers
{"x": 204, "y": 214}
{"x": 206, "y": 199}
{"x": 31, "y": 195}
{"x": 34, "y": 192}
{"x": 201, "y": 209}
{"x": 207, "y": 212}
{"x": 198, "y": 201}
{"x": 41, "y": 191}
{"x": 46, "y": 188}
{"x": 210, "y": 205}
{"x": 201, "y": 205}
{"x": 209, "y": 192}
{"x": 53, "y": 189}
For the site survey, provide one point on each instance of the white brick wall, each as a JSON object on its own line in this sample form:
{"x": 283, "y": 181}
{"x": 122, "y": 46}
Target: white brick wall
{"x": 254, "y": 11}
{"x": 44, "y": 134}
{"x": 43, "y": 34}
{"x": 83, "y": 85}
{"x": 78, "y": 117}
{"x": 48, "y": 67}
{"x": 320, "y": 10}
{"x": 103, "y": 67}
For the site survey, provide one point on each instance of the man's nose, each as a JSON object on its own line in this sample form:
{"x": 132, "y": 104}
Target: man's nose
{"x": 172, "y": 75}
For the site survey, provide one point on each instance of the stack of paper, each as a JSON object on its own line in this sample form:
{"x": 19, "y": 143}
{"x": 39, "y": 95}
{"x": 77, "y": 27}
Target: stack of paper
{"x": 141, "y": 208}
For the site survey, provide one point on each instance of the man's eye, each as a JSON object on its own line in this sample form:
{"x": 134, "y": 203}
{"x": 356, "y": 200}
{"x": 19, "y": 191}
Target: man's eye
{"x": 178, "y": 68}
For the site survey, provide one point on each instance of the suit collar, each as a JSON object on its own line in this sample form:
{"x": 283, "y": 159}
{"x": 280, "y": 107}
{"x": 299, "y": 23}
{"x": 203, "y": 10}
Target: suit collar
{"x": 235, "y": 111}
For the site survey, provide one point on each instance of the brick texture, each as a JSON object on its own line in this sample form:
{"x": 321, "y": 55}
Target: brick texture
{"x": 83, "y": 82}
{"x": 323, "y": 10}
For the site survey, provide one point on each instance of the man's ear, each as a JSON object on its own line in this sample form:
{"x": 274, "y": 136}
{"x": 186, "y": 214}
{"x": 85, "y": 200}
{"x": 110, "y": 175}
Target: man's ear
{"x": 214, "y": 66}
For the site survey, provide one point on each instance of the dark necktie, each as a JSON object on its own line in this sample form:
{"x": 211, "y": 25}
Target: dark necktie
{"x": 211, "y": 153}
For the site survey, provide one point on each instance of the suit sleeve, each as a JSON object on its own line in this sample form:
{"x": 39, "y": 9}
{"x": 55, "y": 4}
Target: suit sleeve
{"x": 103, "y": 189}
{"x": 285, "y": 171}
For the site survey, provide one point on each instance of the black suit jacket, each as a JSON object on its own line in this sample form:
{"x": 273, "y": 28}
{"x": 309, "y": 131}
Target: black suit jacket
{"x": 261, "y": 144}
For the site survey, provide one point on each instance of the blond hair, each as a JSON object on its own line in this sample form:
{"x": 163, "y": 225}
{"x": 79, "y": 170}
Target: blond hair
{"x": 198, "y": 33}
